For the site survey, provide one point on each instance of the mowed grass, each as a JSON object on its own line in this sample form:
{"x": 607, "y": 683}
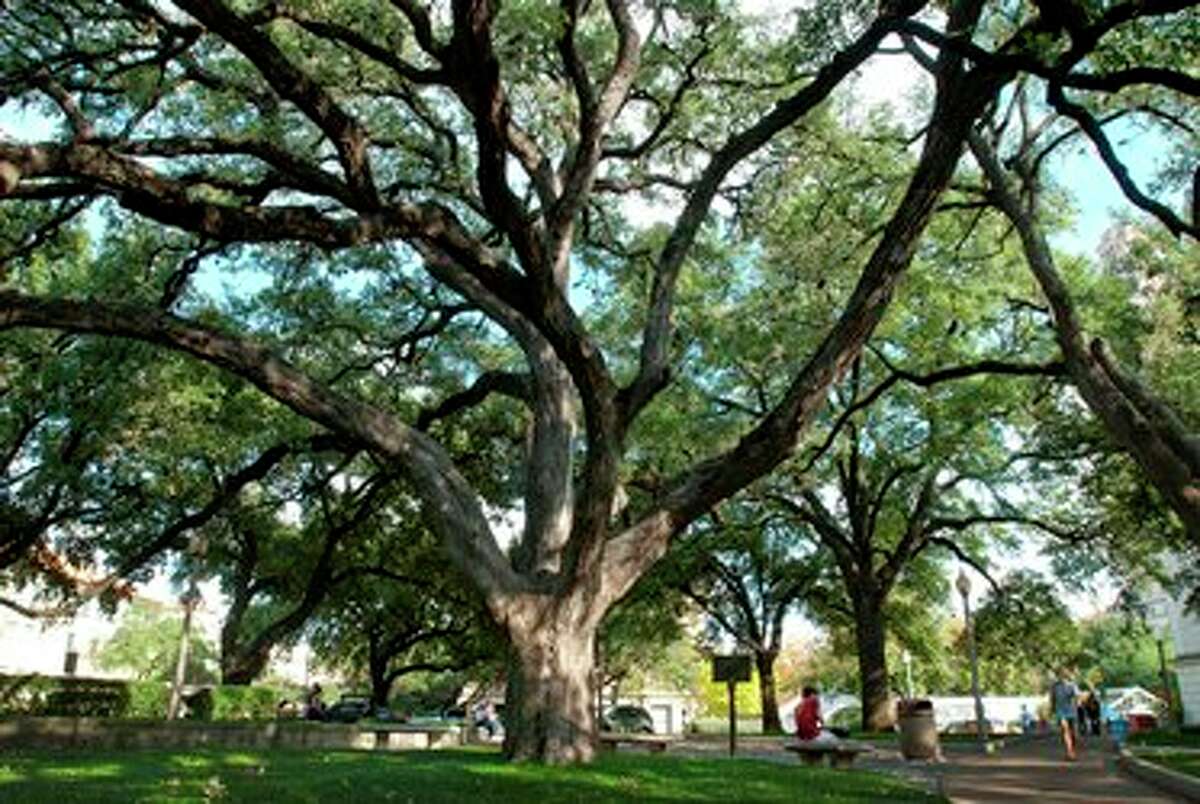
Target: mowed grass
{"x": 1179, "y": 751}
{"x": 1166, "y": 737}
{"x": 280, "y": 776}
{"x": 1188, "y": 763}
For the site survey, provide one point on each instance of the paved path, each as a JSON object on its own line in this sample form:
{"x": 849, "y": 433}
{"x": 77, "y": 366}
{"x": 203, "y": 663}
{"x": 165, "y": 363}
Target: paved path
{"x": 1037, "y": 771}
{"x": 1033, "y": 771}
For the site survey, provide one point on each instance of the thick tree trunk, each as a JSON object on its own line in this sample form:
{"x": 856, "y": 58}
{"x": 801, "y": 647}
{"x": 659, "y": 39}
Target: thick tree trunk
{"x": 549, "y": 713}
{"x": 240, "y": 668}
{"x": 765, "y": 660}
{"x": 381, "y": 684}
{"x": 1143, "y": 425}
{"x": 872, "y": 665}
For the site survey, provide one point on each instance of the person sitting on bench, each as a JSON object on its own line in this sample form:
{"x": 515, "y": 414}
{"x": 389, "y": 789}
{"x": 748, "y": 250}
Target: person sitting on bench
{"x": 809, "y": 725}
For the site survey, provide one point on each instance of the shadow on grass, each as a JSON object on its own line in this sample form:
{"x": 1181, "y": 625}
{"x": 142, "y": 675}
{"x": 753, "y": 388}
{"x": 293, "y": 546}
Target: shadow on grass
{"x": 427, "y": 776}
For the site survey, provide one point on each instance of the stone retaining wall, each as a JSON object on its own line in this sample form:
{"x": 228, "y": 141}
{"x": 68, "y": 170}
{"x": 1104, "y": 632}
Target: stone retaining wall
{"x": 1179, "y": 784}
{"x": 84, "y": 732}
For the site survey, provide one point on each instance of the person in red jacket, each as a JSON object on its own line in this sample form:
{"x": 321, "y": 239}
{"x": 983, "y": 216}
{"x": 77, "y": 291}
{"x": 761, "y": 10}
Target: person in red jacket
{"x": 808, "y": 715}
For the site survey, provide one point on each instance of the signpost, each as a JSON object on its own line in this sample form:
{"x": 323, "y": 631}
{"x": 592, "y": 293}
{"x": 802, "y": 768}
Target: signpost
{"x": 731, "y": 670}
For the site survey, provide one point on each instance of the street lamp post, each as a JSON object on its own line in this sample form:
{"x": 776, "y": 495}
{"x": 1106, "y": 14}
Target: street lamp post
{"x": 964, "y": 588}
{"x": 907, "y": 659}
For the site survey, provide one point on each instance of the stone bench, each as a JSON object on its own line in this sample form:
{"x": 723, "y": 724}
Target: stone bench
{"x": 405, "y": 736}
{"x": 650, "y": 742}
{"x": 841, "y": 753}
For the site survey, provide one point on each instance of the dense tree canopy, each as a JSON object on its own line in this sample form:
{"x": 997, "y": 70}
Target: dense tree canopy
{"x": 429, "y": 194}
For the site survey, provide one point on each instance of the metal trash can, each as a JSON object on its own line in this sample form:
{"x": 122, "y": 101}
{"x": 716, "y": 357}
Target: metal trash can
{"x": 918, "y": 731}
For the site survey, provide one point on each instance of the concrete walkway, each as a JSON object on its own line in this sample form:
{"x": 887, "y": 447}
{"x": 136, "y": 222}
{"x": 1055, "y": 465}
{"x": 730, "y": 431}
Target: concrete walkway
{"x": 1033, "y": 770}
{"x": 1037, "y": 771}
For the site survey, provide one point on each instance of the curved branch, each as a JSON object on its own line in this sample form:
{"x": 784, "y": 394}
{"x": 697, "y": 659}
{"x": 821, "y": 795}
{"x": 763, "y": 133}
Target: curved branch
{"x": 348, "y": 137}
{"x": 1054, "y": 368}
{"x": 1155, "y": 447}
{"x": 448, "y": 498}
{"x": 656, "y": 335}
{"x": 507, "y": 383}
{"x": 966, "y": 558}
{"x": 961, "y": 97}
{"x": 1088, "y": 124}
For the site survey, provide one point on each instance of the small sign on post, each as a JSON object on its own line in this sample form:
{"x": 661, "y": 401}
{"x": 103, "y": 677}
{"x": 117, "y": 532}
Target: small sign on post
{"x": 731, "y": 670}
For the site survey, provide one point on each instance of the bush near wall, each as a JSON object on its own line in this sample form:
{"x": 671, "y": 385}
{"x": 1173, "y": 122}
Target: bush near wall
{"x": 245, "y": 703}
{"x": 63, "y": 696}
{"x": 94, "y": 697}
{"x": 148, "y": 700}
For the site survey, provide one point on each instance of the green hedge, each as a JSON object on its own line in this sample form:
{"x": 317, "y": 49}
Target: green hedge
{"x": 71, "y": 697}
{"x": 94, "y": 697}
{"x": 245, "y": 703}
{"x": 148, "y": 700}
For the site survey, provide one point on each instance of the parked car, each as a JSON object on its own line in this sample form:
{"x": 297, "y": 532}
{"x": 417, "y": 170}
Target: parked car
{"x": 628, "y": 719}
{"x": 348, "y": 709}
{"x": 454, "y": 714}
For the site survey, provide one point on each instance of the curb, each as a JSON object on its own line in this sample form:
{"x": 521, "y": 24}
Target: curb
{"x": 1174, "y": 782}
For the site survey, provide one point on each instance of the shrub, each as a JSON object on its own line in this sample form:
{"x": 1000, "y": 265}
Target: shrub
{"x": 244, "y": 703}
{"x": 24, "y": 695}
{"x": 148, "y": 700}
{"x": 65, "y": 696}
{"x": 88, "y": 697}
{"x": 95, "y": 697}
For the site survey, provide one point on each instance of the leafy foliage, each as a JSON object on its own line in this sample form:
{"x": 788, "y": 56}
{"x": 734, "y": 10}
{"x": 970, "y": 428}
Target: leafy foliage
{"x": 146, "y": 644}
{"x": 413, "y": 208}
{"x": 1025, "y": 634}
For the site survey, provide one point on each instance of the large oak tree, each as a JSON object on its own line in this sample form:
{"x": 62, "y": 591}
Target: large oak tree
{"x": 495, "y": 150}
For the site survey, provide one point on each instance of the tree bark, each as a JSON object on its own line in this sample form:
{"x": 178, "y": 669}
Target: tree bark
{"x": 551, "y": 685}
{"x": 765, "y": 661}
{"x": 869, "y": 635}
{"x": 381, "y": 682}
{"x": 241, "y": 667}
{"x": 1142, "y": 425}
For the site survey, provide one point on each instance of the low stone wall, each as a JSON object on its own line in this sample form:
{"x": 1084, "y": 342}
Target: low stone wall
{"x": 84, "y": 732}
{"x": 1179, "y": 784}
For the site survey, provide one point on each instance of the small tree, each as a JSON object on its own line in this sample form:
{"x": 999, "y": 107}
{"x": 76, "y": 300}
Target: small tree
{"x": 1025, "y": 633}
{"x": 146, "y": 644}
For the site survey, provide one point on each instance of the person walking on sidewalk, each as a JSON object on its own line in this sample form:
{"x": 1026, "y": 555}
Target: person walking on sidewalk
{"x": 1063, "y": 698}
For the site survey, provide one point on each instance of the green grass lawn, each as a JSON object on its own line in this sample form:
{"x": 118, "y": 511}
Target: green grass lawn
{"x": 1155, "y": 746}
{"x": 282, "y": 776}
{"x": 1188, "y": 763}
{"x": 1166, "y": 737}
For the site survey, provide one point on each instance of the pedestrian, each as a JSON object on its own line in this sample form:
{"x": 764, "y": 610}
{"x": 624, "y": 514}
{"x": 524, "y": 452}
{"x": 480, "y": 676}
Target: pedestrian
{"x": 314, "y": 707}
{"x": 485, "y": 718}
{"x": 1063, "y": 695}
{"x": 1092, "y": 706}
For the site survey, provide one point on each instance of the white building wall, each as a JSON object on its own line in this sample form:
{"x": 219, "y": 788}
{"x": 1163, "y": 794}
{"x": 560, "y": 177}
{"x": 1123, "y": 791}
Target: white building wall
{"x": 35, "y": 646}
{"x": 1188, "y": 671}
{"x": 1184, "y": 628}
